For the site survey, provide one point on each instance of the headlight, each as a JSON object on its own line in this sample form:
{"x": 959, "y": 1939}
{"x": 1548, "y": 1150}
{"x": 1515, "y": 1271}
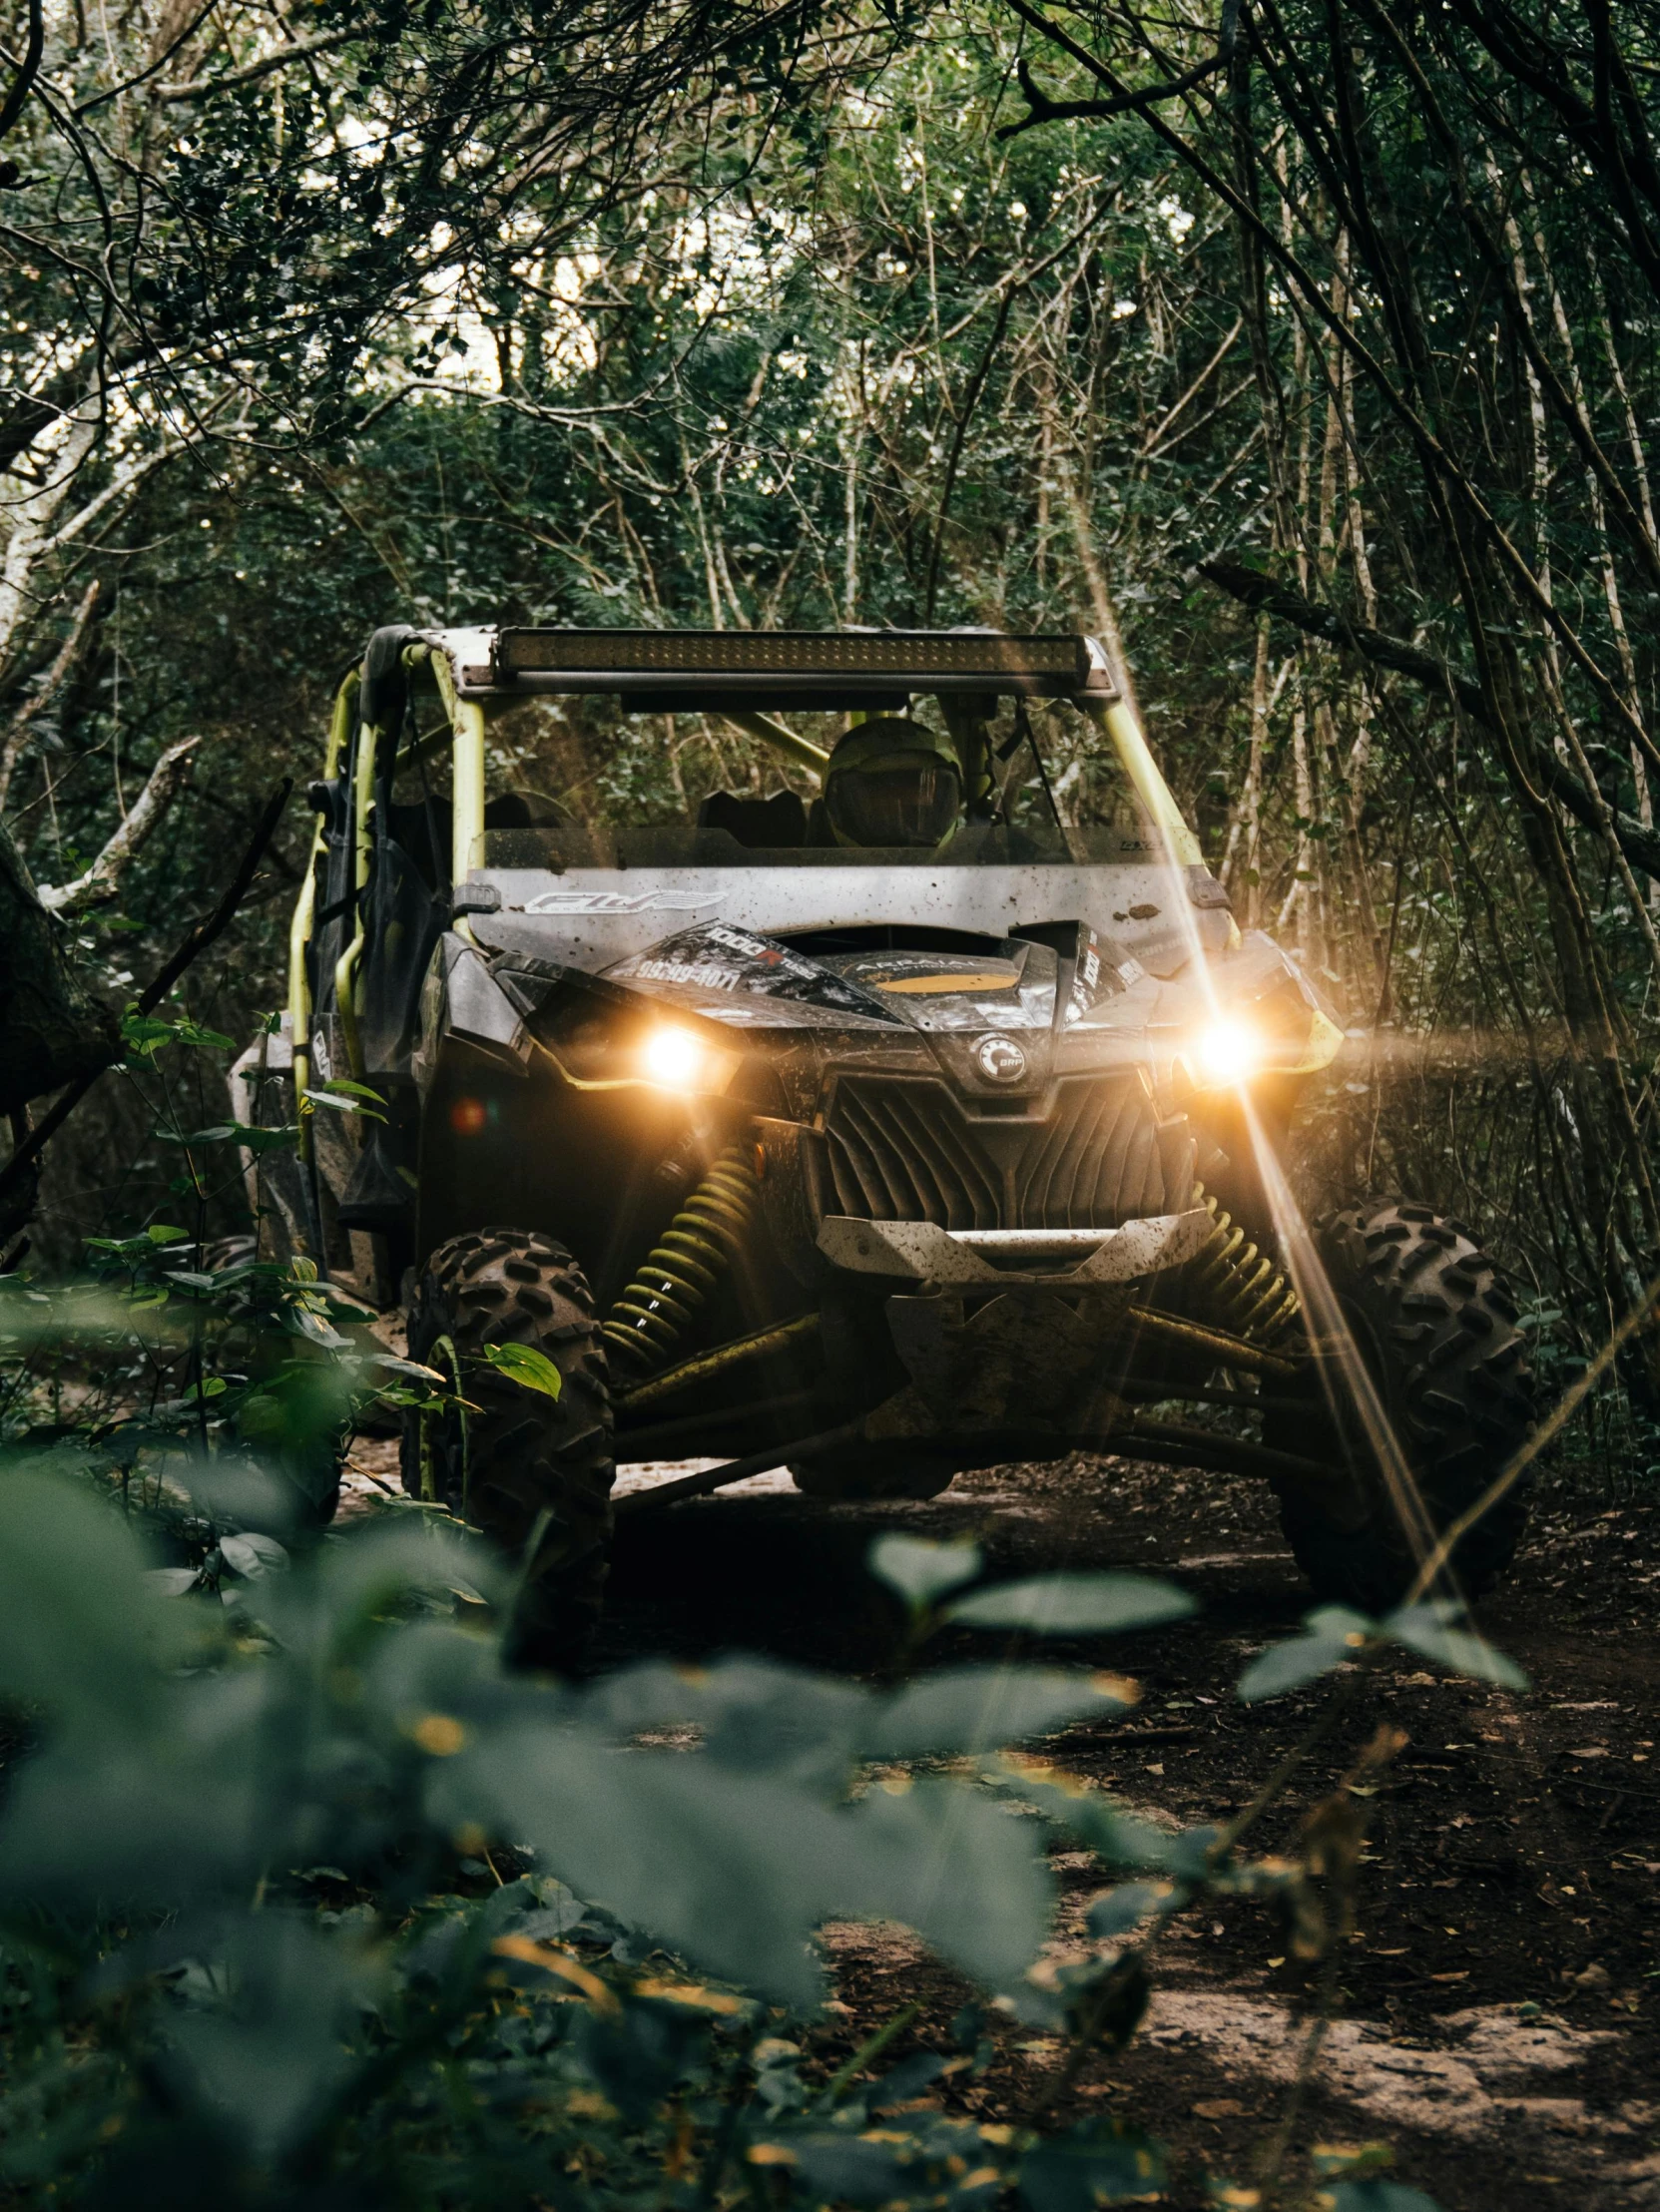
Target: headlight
{"x": 674, "y": 1058}
{"x": 643, "y": 1051}
{"x": 1227, "y": 1052}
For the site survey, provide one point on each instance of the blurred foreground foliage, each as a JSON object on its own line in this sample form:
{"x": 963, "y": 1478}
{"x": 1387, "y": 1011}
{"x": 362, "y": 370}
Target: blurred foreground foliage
{"x": 307, "y": 1900}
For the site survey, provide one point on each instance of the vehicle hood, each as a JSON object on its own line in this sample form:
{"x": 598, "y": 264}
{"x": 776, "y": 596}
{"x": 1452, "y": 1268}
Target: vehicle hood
{"x": 746, "y": 979}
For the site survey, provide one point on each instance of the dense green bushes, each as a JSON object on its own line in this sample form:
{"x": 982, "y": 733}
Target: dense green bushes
{"x": 258, "y": 1787}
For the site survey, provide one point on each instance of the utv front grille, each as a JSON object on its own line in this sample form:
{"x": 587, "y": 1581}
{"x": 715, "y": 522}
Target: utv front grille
{"x": 902, "y": 1149}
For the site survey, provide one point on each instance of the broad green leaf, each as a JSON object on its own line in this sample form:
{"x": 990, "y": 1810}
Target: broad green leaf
{"x": 1116, "y": 1911}
{"x": 172, "y": 1582}
{"x": 839, "y": 2168}
{"x": 736, "y": 1870}
{"x": 213, "y": 1040}
{"x": 1073, "y": 1604}
{"x": 267, "y": 2053}
{"x": 1425, "y": 1629}
{"x": 755, "y": 1715}
{"x": 1098, "y": 2162}
{"x": 352, "y": 1584}
{"x": 395, "y": 1365}
{"x": 248, "y": 1135}
{"x": 1190, "y": 1852}
{"x": 524, "y": 1365}
{"x": 967, "y": 1709}
{"x": 81, "y": 1632}
{"x": 1378, "y": 2195}
{"x": 253, "y": 1556}
{"x": 158, "y": 1799}
{"x": 946, "y": 1859}
{"x": 355, "y": 1090}
{"x": 1331, "y": 1635}
{"x": 1119, "y": 1837}
{"x": 905, "y": 2080}
{"x": 921, "y": 1571}
{"x": 315, "y": 1330}
{"x": 339, "y": 1097}
{"x": 637, "y": 2055}
{"x": 144, "y": 1034}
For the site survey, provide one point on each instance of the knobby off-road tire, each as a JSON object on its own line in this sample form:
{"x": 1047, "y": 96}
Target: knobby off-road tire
{"x": 1438, "y": 1330}
{"x": 525, "y": 1454}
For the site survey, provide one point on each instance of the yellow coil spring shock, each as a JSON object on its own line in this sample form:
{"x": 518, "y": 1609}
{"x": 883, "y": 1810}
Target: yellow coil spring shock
{"x": 1234, "y": 1285}
{"x": 686, "y": 1265}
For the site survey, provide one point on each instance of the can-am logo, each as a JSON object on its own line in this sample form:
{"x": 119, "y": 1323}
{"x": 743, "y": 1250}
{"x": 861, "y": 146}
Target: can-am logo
{"x": 619, "y": 903}
{"x": 1000, "y": 1059}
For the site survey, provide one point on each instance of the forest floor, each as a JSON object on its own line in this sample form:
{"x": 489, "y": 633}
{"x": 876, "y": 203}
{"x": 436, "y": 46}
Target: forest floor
{"x": 1494, "y": 2014}
{"x": 1497, "y": 2006}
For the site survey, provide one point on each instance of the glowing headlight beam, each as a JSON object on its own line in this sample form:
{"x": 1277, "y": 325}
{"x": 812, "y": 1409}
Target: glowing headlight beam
{"x": 673, "y": 1058}
{"x": 1228, "y": 1051}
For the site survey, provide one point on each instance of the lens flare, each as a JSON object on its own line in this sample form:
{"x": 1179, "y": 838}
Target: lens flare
{"x": 1228, "y": 1052}
{"x": 1343, "y": 1369}
{"x": 673, "y": 1058}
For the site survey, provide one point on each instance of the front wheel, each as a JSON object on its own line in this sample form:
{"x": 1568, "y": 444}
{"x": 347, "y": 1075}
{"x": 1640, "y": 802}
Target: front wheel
{"x": 1436, "y": 1330}
{"x": 527, "y": 1468}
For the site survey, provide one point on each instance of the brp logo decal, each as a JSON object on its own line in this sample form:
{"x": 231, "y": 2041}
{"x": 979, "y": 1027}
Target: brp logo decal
{"x": 619, "y": 903}
{"x": 1000, "y": 1059}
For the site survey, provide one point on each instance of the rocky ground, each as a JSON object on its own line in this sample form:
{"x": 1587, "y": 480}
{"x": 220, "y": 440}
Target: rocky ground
{"x": 1494, "y": 2014}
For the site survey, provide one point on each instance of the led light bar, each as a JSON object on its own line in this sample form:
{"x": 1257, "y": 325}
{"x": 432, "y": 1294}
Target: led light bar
{"x": 798, "y": 664}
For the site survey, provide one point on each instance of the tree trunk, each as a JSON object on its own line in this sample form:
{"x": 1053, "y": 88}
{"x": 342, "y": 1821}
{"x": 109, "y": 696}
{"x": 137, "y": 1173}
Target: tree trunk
{"x": 51, "y": 1029}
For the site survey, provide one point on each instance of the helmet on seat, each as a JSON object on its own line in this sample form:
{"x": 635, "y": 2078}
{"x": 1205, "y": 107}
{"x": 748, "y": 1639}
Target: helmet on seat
{"x": 893, "y": 782}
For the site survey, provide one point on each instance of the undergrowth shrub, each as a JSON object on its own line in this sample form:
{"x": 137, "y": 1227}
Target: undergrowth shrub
{"x": 260, "y": 1775}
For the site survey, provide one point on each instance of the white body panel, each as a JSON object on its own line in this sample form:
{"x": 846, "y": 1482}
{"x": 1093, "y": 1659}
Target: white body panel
{"x": 593, "y": 917}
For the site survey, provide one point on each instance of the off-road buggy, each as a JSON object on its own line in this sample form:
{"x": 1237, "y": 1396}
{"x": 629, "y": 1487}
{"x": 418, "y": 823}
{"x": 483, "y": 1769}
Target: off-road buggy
{"x": 877, "y": 1160}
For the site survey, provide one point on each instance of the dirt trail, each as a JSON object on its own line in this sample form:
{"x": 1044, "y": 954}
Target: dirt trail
{"x": 1495, "y": 2016}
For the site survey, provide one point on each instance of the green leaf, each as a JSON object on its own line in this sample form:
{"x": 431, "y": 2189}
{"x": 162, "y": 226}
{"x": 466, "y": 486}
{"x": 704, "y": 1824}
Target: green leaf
{"x": 944, "y": 1860}
{"x": 337, "y": 1096}
{"x": 1073, "y": 1604}
{"x": 248, "y": 1135}
{"x": 1331, "y": 1635}
{"x": 1379, "y": 2196}
{"x": 80, "y": 1630}
{"x": 524, "y": 1365}
{"x": 313, "y": 1326}
{"x": 1098, "y": 2162}
{"x": 1425, "y": 1629}
{"x": 920, "y": 1571}
{"x": 736, "y": 1869}
{"x": 266, "y": 2053}
{"x": 253, "y": 1556}
{"x": 395, "y": 1365}
{"x": 966, "y": 1709}
{"x": 1115, "y": 1912}
{"x": 172, "y": 1582}
{"x": 638, "y": 2054}
{"x": 836, "y": 2168}
{"x": 144, "y": 1034}
{"x": 1119, "y": 1837}
{"x": 355, "y": 1090}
